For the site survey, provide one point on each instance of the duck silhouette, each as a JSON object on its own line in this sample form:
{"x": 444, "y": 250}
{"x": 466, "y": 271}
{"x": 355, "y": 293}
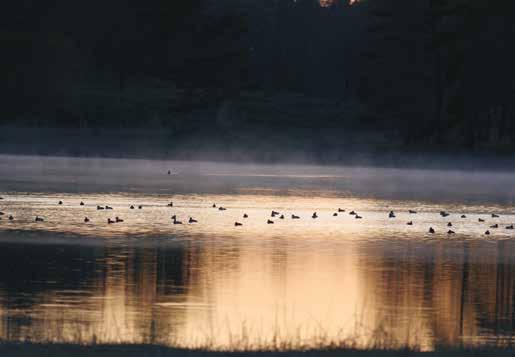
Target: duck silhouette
{"x": 60, "y": 202}
{"x": 118, "y": 220}
{"x": 2, "y": 213}
{"x": 431, "y": 230}
{"x": 222, "y": 208}
{"x": 335, "y": 214}
{"x": 494, "y": 226}
{"x": 81, "y": 203}
{"x": 510, "y": 226}
{"x": 108, "y": 207}
{"x": 487, "y": 233}
{"x": 282, "y": 216}
{"x": 480, "y": 220}
{"x": 245, "y": 215}
{"x": 410, "y": 223}
{"x": 214, "y": 205}
{"x": 86, "y": 219}
{"x": 352, "y": 213}
{"x": 412, "y": 211}
{"x": 269, "y": 222}
{"x": 170, "y": 204}
{"x": 358, "y": 216}
{"x": 463, "y": 216}
{"x": 39, "y": 219}
{"x": 140, "y": 206}
{"x": 237, "y": 224}
{"x": 274, "y": 213}
{"x": 11, "y": 218}
{"x": 100, "y": 208}
{"x": 110, "y": 221}
{"x": 495, "y": 215}
{"x": 175, "y": 221}
{"x": 341, "y": 210}
{"x": 449, "y": 224}
{"x": 391, "y": 214}
{"x": 450, "y": 232}
{"x": 131, "y": 207}
{"x": 444, "y": 214}
{"x": 314, "y": 215}
{"x": 192, "y": 220}
{"x": 294, "y": 217}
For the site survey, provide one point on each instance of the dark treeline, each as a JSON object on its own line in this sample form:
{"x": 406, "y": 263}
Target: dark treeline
{"x": 437, "y": 74}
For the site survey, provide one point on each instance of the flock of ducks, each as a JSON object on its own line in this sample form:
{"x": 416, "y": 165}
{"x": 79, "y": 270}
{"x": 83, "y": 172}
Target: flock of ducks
{"x": 277, "y": 215}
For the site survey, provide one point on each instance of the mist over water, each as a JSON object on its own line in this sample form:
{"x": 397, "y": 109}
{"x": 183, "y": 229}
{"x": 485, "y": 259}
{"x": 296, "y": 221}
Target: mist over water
{"x": 307, "y": 281}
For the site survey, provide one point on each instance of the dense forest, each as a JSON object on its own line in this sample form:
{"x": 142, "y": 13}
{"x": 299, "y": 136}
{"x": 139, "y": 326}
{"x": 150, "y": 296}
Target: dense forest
{"x": 406, "y": 74}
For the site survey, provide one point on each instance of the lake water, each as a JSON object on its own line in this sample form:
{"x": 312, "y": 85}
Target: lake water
{"x": 364, "y": 282}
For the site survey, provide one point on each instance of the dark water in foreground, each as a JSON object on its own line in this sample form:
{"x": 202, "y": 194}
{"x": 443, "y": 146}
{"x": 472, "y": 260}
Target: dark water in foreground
{"x": 307, "y": 281}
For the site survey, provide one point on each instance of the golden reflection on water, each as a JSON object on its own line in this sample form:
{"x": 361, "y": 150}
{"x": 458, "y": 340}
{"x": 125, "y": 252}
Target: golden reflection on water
{"x": 333, "y": 279}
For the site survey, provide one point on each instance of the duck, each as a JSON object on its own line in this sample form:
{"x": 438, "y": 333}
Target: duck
{"x": 2, "y": 213}
{"x": 450, "y": 231}
{"x": 170, "y": 204}
{"x": 510, "y": 226}
{"x": 222, "y": 208}
{"x": 463, "y": 216}
{"x": 140, "y": 206}
{"x": 480, "y": 220}
{"x": 131, "y": 207}
{"x": 100, "y": 208}
{"x": 358, "y": 216}
{"x": 341, "y": 210}
{"x": 245, "y": 215}
{"x": 335, "y": 214}
{"x": 81, "y": 203}
{"x": 495, "y": 215}
{"x": 269, "y": 222}
{"x": 175, "y": 221}
{"x": 237, "y": 224}
{"x": 192, "y": 220}
{"x": 214, "y": 205}
{"x": 118, "y": 220}
{"x": 412, "y": 211}
{"x": 410, "y": 223}
{"x": 174, "y": 217}
{"x": 110, "y": 221}
{"x": 11, "y": 218}
{"x": 352, "y": 213}
{"x": 86, "y": 219}
{"x": 449, "y": 224}
{"x": 108, "y": 207}
{"x": 431, "y": 230}
{"x": 444, "y": 214}
{"x": 487, "y": 233}
{"x": 314, "y": 215}
{"x": 294, "y": 217}
{"x": 494, "y": 226}
{"x": 282, "y": 216}
{"x": 169, "y": 172}
{"x": 391, "y": 214}
{"x": 60, "y": 202}
{"x": 39, "y": 219}
{"x": 274, "y": 213}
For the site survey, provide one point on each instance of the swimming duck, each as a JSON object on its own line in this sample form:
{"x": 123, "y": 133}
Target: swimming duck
{"x": 274, "y": 213}
{"x": 118, "y": 220}
{"x": 412, "y": 211}
{"x": 140, "y": 207}
{"x": 11, "y": 218}
{"x": 222, "y": 208}
{"x": 214, "y": 205}
{"x": 39, "y": 219}
{"x": 81, "y": 203}
{"x": 358, "y": 216}
{"x": 444, "y": 214}
{"x": 352, "y": 213}
{"x": 335, "y": 214}
{"x": 494, "y": 226}
{"x": 174, "y": 217}
{"x": 410, "y": 223}
{"x": 86, "y": 219}
{"x": 431, "y": 230}
{"x": 2, "y": 213}
{"x": 391, "y": 214}
{"x": 510, "y": 226}
{"x": 110, "y": 221}
{"x": 314, "y": 215}
{"x": 100, "y": 207}
{"x": 169, "y": 172}
{"x": 131, "y": 207}
{"x": 191, "y": 220}
{"x": 170, "y": 204}
{"x": 237, "y": 224}
{"x": 282, "y": 216}
{"x": 341, "y": 210}
{"x": 294, "y": 217}
{"x": 60, "y": 202}
{"x": 269, "y": 222}
{"x": 463, "y": 216}
{"x": 480, "y": 220}
{"x": 450, "y": 232}
{"x": 176, "y": 221}
{"x": 108, "y": 207}
{"x": 245, "y": 215}
{"x": 495, "y": 215}
{"x": 449, "y": 224}
{"x": 487, "y": 233}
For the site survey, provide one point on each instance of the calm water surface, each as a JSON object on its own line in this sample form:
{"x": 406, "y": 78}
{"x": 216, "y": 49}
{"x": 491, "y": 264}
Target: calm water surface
{"x": 307, "y": 281}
